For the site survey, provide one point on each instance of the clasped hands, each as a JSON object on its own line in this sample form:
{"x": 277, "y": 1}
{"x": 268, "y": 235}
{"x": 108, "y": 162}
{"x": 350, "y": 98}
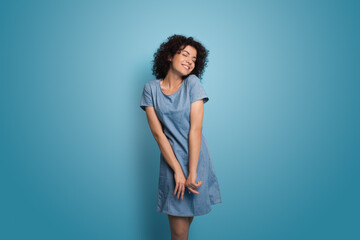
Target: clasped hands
{"x": 181, "y": 183}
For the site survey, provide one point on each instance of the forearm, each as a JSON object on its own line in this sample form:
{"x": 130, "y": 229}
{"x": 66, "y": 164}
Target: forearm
{"x": 168, "y": 152}
{"x": 194, "y": 149}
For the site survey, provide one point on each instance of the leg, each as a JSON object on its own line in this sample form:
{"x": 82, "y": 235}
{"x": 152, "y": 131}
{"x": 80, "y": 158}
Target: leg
{"x": 191, "y": 219}
{"x": 179, "y": 227}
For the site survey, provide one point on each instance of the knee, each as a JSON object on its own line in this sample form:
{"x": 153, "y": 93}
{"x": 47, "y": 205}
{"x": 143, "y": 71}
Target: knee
{"x": 179, "y": 232}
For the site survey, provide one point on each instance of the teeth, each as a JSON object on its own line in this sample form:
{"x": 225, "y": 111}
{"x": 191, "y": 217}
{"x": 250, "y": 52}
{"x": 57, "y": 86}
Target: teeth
{"x": 186, "y": 67}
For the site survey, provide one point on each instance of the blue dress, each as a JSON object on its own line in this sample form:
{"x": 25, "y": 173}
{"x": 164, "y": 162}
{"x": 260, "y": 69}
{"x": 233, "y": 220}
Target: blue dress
{"x": 173, "y": 112}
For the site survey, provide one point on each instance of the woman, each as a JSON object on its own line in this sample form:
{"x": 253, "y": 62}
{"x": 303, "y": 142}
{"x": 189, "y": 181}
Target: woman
{"x": 174, "y": 105}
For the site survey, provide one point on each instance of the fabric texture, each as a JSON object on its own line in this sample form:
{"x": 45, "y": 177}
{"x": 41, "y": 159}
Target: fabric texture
{"x": 173, "y": 112}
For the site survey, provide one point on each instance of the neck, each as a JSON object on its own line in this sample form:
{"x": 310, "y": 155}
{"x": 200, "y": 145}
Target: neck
{"x": 172, "y": 80}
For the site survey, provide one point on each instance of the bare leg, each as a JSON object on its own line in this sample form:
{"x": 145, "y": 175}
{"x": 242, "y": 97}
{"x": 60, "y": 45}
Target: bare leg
{"x": 179, "y": 227}
{"x": 190, "y": 219}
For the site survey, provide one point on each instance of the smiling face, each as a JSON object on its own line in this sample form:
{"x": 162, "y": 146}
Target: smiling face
{"x": 184, "y": 60}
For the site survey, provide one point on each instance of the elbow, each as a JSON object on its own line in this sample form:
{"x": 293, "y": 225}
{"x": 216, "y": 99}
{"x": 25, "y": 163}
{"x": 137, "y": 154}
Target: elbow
{"x": 158, "y": 136}
{"x": 196, "y": 130}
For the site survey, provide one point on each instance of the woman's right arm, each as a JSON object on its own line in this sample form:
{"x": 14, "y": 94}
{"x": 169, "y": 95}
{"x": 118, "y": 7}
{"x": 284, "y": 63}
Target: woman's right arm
{"x": 161, "y": 139}
{"x": 166, "y": 151}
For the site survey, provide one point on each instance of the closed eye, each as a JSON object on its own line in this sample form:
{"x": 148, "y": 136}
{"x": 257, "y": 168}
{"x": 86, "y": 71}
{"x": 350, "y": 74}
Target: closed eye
{"x": 187, "y": 55}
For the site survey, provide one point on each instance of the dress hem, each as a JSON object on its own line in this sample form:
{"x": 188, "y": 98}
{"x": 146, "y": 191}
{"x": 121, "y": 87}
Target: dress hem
{"x": 182, "y": 215}
{"x": 188, "y": 215}
{"x": 216, "y": 202}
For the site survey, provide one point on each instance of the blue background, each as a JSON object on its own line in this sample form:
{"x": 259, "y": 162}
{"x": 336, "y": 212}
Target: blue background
{"x": 78, "y": 160}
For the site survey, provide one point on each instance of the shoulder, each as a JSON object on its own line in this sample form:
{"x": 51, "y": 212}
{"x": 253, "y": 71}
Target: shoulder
{"x": 150, "y": 85}
{"x": 192, "y": 80}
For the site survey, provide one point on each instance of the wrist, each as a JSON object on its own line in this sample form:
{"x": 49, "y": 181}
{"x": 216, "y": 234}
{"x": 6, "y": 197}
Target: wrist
{"x": 178, "y": 170}
{"x": 192, "y": 173}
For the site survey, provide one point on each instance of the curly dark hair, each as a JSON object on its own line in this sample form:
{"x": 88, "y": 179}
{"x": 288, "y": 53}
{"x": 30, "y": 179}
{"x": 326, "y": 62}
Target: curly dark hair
{"x": 176, "y": 43}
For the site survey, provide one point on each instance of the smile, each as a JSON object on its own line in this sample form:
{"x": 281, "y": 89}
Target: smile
{"x": 186, "y": 67}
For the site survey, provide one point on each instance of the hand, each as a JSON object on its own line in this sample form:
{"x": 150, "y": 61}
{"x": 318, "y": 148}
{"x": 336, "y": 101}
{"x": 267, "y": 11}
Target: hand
{"x": 190, "y": 183}
{"x": 180, "y": 184}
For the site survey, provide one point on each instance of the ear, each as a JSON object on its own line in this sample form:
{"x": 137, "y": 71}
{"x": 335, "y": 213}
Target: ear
{"x": 169, "y": 58}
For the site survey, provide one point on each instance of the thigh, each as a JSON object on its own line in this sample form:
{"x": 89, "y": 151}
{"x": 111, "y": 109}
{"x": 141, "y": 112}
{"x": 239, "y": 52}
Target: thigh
{"x": 178, "y": 223}
{"x": 190, "y": 219}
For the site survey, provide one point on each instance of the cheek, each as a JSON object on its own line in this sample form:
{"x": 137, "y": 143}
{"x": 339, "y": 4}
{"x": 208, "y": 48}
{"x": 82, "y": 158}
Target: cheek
{"x": 179, "y": 60}
{"x": 176, "y": 63}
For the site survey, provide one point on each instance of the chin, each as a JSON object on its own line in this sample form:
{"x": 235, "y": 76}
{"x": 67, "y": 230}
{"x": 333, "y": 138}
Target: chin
{"x": 185, "y": 76}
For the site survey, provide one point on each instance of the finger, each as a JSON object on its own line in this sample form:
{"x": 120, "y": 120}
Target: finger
{"x": 182, "y": 193}
{"x": 199, "y": 184}
{"x": 194, "y": 191}
{"x": 178, "y": 193}
{"x": 176, "y": 187}
{"x": 193, "y": 186}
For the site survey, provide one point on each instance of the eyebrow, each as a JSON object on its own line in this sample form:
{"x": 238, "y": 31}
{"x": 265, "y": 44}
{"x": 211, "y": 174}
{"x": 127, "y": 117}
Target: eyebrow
{"x": 189, "y": 54}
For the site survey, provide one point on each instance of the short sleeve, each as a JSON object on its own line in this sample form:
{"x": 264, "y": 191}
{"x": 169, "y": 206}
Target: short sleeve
{"x": 197, "y": 91}
{"x": 146, "y": 97}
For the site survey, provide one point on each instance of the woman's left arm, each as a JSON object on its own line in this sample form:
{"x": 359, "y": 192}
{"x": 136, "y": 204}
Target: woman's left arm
{"x": 196, "y": 119}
